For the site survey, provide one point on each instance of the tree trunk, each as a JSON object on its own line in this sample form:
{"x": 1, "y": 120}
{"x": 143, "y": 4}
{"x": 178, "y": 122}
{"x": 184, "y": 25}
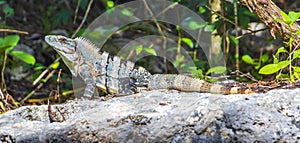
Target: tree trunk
{"x": 267, "y": 11}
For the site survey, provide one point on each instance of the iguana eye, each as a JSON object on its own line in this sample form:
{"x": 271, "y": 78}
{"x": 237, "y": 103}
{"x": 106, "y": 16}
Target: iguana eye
{"x": 62, "y": 40}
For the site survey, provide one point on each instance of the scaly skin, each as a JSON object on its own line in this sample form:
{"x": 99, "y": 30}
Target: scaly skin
{"x": 112, "y": 75}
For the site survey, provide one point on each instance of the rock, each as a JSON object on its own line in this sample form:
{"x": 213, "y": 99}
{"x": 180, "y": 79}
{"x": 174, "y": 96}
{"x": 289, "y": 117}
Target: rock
{"x": 161, "y": 116}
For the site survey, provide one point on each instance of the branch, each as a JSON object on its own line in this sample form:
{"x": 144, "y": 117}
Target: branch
{"x": 267, "y": 11}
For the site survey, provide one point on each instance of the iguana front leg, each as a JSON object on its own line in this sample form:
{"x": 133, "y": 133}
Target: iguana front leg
{"x": 86, "y": 72}
{"x": 89, "y": 89}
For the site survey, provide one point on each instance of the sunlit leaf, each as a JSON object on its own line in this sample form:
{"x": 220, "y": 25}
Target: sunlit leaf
{"x": 296, "y": 69}
{"x": 110, "y": 4}
{"x": 216, "y": 70}
{"x": 188, "y": 41}
{"x": 296, "y": 54}
{"x": 269, "y": 69}
{"x": 9, "y": 42}
{"x": 286, "y": 18}
{"x": 293, "y": 16}
{"x": 25, "y": 57}
{"x": 150, "y": 51}
{"x": 283, "y": 64}
{"x": 39, "y": 66}
{"x": 138, "y": 49}
{"x": 273, "y": 68}
{"x": 55, "y": 65}
{"x": 233, "y": 39}
{"x": 201, "y": 10}
{"x": 178, "y": 61}
{"x": 247, "y": 59}
{"x": 297, "y": 32}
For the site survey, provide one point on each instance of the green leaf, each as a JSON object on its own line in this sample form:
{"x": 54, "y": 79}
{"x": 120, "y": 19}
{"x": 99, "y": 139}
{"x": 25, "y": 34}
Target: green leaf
{"x": 150, "y": 51}
{"x": 273, "y": 68}
{"x": 83, "y": 4}
{"x": 297, "y": 32}
{"x": 178, "y": 61}
{"x": 25, "y": 57}
{"x": 138, "y": 49}
{"x": 296, "y": 54}
{"x": 280, "y": 50}
{"x": 196, "y": 73}
{"x": 269, "y": 69}
{"x": 39, "y": 66}
{"x": 201, "y": 10}
{"x": 8, "y": 11}
{"x": 209, "y": 28}
{"x": 293, "y": 16}
{"x": 264, "y": 58}
{"x": 188, "y": 41}
{"x": 2, "y": 2}
{"x": 126, "y": 12}
{"x": 233, "y": 39}
{"x": 296, "y": 69}
{"x": 276, "y": 60}
{"x": 296, "y": 75}
{"x": 216, "y": 70}
{"x": 247, "y": 59}
{"x": 193, "y": 25}
{"x": 283, "y": 64}
{"x": 61, "y": 17}
{"x": 279, "y": 20}
{"x": 55, "y": 65}
{"x": 110, "y": 4}
{"x": 9, "y": 42}
{"x": 285, "y": 17}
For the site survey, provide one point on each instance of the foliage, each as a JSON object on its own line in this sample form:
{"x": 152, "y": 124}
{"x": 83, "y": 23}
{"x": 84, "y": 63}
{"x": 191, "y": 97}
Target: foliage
{"x": 7, "y": 45}
{"x": 293, "y": 54}
{"x": 7, "y": 10}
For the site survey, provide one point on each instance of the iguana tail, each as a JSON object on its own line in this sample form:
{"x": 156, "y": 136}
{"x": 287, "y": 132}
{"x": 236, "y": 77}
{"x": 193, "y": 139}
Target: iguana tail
{"x": 189, "y": 84}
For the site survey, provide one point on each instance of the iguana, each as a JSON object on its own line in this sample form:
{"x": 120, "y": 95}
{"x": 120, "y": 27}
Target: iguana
{"x": 114, "y": 76}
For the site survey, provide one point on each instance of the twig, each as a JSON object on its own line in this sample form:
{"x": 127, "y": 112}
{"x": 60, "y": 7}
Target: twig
{"x": 44, "y": 72}
{"x": 38, "y": 87}
{"x": 4, "y": 100}
{"x": 58, "y": 81}
{"x": 84, "y": 18}
{"x": 13, "y": 31}
{"x": 252, "y": 32}
{"x": 159, "y": 31}
{"x": 72, "y": 91}
{"x": 76, "y": 11}
{"x": 237, "y": 47}
{"x": 3, "y": 85}
{"x": 40, "y": 76}
{"x": 226, "y": 19}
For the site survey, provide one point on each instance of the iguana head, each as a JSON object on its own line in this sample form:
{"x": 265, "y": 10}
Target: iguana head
{"x": 67, "y": 49}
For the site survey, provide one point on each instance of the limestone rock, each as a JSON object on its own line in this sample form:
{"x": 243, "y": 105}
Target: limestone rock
{"x": 161, "y": 116}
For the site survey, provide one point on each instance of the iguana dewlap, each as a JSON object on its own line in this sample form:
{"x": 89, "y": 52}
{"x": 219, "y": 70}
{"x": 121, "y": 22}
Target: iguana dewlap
{"x": 112, "y": 75}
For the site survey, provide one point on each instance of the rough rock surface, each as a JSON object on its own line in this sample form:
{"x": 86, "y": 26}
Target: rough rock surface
{"x": 161, "y": 116}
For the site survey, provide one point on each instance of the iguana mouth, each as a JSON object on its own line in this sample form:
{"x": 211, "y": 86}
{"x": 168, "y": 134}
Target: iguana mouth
{"x": 71, "y": 51}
